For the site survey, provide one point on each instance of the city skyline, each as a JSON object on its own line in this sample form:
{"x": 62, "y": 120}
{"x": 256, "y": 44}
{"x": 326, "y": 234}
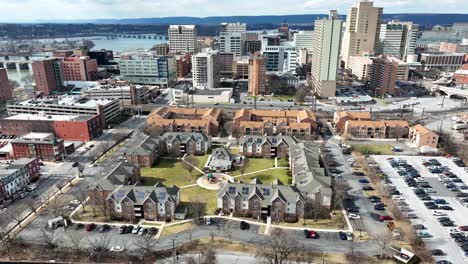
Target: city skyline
{"x": 35, "y": 11}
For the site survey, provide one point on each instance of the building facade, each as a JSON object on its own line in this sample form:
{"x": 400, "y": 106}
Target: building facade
{"x": 362, "y": 30}
{"x": 442, "y": 61}
{"x": 182, "y": 38}
{"x": 421, "y": 136}
{"x": 368, "y": 129}
{"x": 340, "y": 118}
{"x": 280, "y": 57}
{"x": 48, "y": 75}
{"x": 325, "y": 54}
{"x": 383, "y": 75}
{"x": 147, "y": 68}
{"x": 360, "y": 67}
{"x": 230, "y": 38}
{"x": 79, "y": 68}
{"x": 44, "y": 146}
{"x": 205, "y": 69}
{"x": 257, "y": 75}
{"x": 180, "y": 143}
{"x": 6, "y": 91}
{"x": 16, "y": 175}
{"x": 266, "y": 146}
{"x": 145, "y": 154}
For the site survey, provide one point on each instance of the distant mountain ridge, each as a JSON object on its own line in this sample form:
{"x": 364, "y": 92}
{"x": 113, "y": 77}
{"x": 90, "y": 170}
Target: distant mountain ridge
{"x": 419, "y": 18}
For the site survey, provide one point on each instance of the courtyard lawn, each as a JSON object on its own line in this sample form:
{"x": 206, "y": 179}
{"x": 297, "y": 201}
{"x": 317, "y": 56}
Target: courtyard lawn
{"x": 269, "y": 176}
{"x": 169, "y": 172}
{"x": 196, "y": 193}
{"x": 202, "y": 160}
{"x": 373, "y": 149}
{"x": 283, "y": 163}
{"x": 255, "y": 164}
{"x": 173, "y": 229}
{"x": 336, "y": 221}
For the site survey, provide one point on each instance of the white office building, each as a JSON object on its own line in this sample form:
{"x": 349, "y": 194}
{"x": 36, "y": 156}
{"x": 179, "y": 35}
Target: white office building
{"x": 281, "y": 57}
{"x": 182, "y": 38}
{"x": 398, "y": 39}
{"x": 360, "y": 67}
{"x": 304, "y": 40}
{"x": 325, "y": 54}
{"x": 230, "y": 38}
{"x": 205, "y": 69}
{"x": 148, "y": 68}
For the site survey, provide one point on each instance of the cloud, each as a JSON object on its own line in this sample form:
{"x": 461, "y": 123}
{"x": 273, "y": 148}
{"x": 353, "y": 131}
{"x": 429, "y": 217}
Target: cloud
{"x": 30, "y": 10}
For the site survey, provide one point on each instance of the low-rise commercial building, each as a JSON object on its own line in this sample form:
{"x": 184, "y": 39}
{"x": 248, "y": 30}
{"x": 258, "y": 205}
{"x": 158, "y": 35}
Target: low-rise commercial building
{"x": 185, "y": 96}
{"x": 125, "y": 94}
{"x": 44, "y": 146}
{"x": 148, "y": 68}
{"x": 174, "y": 119}
{"x": 421, "y": 136}
{"x": 16, "y": 175}
{"x": 442, "y": 61}
{"x": 73, "y": 128}
{"x": 68, "y": 105}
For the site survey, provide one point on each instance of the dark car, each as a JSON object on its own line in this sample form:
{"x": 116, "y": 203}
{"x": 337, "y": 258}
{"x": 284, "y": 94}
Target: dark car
{"x": 419, "y": 227}
{"x": 342, "y": 235}
{"x": 122, "y": 229}
{"x": 105, "y": 228}
{"x": 446, "y": 207}
{"x": 90, "y": 227}
{"x": 352, "y": 210}
{"x": 443, "y": 262}
{"x": 363, "y": 181}
{"x": 457, "y": 235}
{"x": 463, "y": 228}
{"x": 367, "y": 188}
{"x": 447, "y": 223}
{"x": 440, "y": 201}
{"x": 244, "y": 225}
{"x": 437, "y": 252}
{"x": 79, "y": 226}
{"x": 358, "y": 173}
{"x": 129, "y": 229}
{"x": 379, "y": 207}
{"x": 432, "y": 206}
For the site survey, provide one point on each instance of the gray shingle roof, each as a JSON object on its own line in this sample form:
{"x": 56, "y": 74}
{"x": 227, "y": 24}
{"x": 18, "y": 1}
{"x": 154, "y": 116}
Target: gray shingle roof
{"x": 273, "y": 140}
{"x": 139, "y": 194}
{"x": 184, "y": 137}
{"x": 145, "y": 147}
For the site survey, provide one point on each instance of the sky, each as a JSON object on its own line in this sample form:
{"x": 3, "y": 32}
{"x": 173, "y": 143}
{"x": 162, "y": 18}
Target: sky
{"x": 30, "y": 10}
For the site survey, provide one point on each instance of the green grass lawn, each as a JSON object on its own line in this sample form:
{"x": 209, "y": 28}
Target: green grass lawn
{"x": 169, "y": 172}
{"x": 202, "y": 160}
{"x": 268, "y": 177}
{"x": 196, "y": 193}
{"x": 371, "y": 149}
{"x": 256, "y": 164}
{"x": 283, "y": 163}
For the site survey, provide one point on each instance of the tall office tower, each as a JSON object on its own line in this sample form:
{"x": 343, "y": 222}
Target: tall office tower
{"x": 362, "y": 30}
{"x": 257, "y": 74}
{"x": 162, "y": 49}
{"x": 182, "y": 38}
{"x": 6, "y": 91}
{"x": 48, "y": 75}
{"x": 304, "y": 40}
{"x": 325, "y": 54}
{"x": 398, "y": 39}
{"x": 281, "y": 56}
{"x": 205, "y": 69}
{"x": 383, "y": 75}
{"x": 230, "y": 38}
{"x": 147, "y": 68}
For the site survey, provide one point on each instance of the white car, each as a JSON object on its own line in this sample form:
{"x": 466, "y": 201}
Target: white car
{"x": 23, "y": 195}
{"x": 349, "y": 235}
{"x": 398, "y": 198}
{"x": 75, "y": 202}
{"x": 208, "y": 221}
{"x": 117, "y": 249}
{"x": 438, "y": 213}
{"x": 354, "y": 216}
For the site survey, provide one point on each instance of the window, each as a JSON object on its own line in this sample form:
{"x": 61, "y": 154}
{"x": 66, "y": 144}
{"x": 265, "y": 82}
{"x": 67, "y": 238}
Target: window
{"x": 245, "y": 190}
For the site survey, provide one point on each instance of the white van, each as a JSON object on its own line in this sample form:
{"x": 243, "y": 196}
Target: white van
{"x": 32, "y": 187}
{"x": 459, "y": 126}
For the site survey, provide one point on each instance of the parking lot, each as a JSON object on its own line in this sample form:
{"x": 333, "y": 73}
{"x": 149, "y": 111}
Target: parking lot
{"x": 436, "y": 196}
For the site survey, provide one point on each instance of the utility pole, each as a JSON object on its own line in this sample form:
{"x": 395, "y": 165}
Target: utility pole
{"x": 442, "y": 122}
{"x": 173, "y": 252}
{"x": 422, "y": 116}
{"x": 443, "y": 100}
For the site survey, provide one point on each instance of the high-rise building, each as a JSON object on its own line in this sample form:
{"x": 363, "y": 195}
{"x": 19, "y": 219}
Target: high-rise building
{"x": 325, "y": 54}
{"x": 398, "y": 39}
{"x": 230, "y": 38}
{"x": 360, "y": 67}
{"x": 183, "y": 65}
{"x": 257, "y": 74}
{"x": 205, "y": 69}
{"x": 383, "y": 75}
{"x": 182, "y": 38}
{"x": 304, "y": 40}
{"x": 362, "y": 30}
{"x": 284, "y": 30}
{"x": 48, "y": 75}
{"x": 6, "y": 91}
{"x": 240, "y": 68}
{"x": 226, "y": 61}
{"x": 147, "y": 68}
{"x": 79, "y": 68}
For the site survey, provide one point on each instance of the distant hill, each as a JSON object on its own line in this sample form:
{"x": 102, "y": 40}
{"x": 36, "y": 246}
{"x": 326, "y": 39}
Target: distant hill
{"x": 422, "y": 19}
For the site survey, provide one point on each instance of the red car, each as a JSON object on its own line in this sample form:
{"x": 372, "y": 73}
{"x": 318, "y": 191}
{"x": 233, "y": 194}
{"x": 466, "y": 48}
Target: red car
{"x": 463, "y": 228}
{"x": 90, "y": 227}
{"x": 313, "y": 234}
{"x": 385, "y": 218}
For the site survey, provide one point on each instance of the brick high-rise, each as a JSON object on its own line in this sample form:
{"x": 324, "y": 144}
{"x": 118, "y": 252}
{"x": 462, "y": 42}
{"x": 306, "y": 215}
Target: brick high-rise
{"x": 48, "y": 75}
{"x": 79, "y": 68}
{"x": 257, "y": 74}
{"x": 6, "y": 92}
{"x": 383, "y": 75}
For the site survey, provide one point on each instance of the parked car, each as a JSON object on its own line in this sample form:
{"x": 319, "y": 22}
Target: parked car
{"x": 437, "y": 252}
{"x": 90, "y": 227}
{"x": 310, "y": 234}
{"x": 423, "y": 234}
{"x": 354, "y": 216}
{"x": 142, "y": 231}
{"x": 342, "y": 235}
{"x": 363, "y": 181}
{"x": 385, "y": 218}
{"x": 419, "y": 227}
{"x": 438, "y": 213}
{"x": 463, "y": 228}
{"x": 367, "y": 188}
{"x": 379, "y": 207}
{"x": 122, "y": 229}
{"x": 244, "y": 225}
{"x": 129, "y": 229}
{"x": 349, "y": 236}
{"x": 136, "y": 230}
{"x": 352, "y": 210}
{"x": 440, "y": 201}
{"x": 23, "y": 195}
{"x": 117, "y": 249}
{"x": 446, "y": 207}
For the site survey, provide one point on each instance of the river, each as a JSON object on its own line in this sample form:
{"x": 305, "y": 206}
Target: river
{"x": 117, "y": 45}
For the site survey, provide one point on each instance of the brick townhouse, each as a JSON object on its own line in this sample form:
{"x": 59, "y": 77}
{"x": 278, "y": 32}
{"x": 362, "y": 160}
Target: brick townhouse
{"x": 145, "y": 153}
{"x": 188, "y": 120}
{"x": 266, "y": 146}
{"x": 300, "y": 124}
{"x": 370, "y": 129}
{"x": 44, "y": 146}
{"x": 257, "y": 200}
{"x": 16, "y": 175}
{"x": 178, "y": 144}
{"x": 340, "y": 118}
{"x": 143, "y": 202}
{"x": 421, "y": 136}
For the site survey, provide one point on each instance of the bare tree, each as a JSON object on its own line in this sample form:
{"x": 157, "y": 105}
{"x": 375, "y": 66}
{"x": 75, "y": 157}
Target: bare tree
{"x": 100, "y": 244}
{"x": 383, "y": 241}
{"x": 301, "y": 93}
{"x": 243, "y": 166}
{"x": 60, "y": 185}
{"x": 17, "y": 214}
{"x": 209, "y": 257}
{"x": 81, "y": 194}
{"x": 48, "y": 237}
{"x": 228, "y": 229}
{"x": 117, "y": 137}
{"x": 75, "y": 239}
{"x": 33, "y": 205}
{"x": 197, "y": 209}
{"x": 146, "y": 244}
{"x": 55, "y": 206}
{"x": 277, "y": 248}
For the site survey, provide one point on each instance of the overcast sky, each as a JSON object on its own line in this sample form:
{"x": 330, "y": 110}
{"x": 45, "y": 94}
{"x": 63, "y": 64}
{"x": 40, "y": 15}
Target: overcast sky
{"x": 29, "y": 10}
